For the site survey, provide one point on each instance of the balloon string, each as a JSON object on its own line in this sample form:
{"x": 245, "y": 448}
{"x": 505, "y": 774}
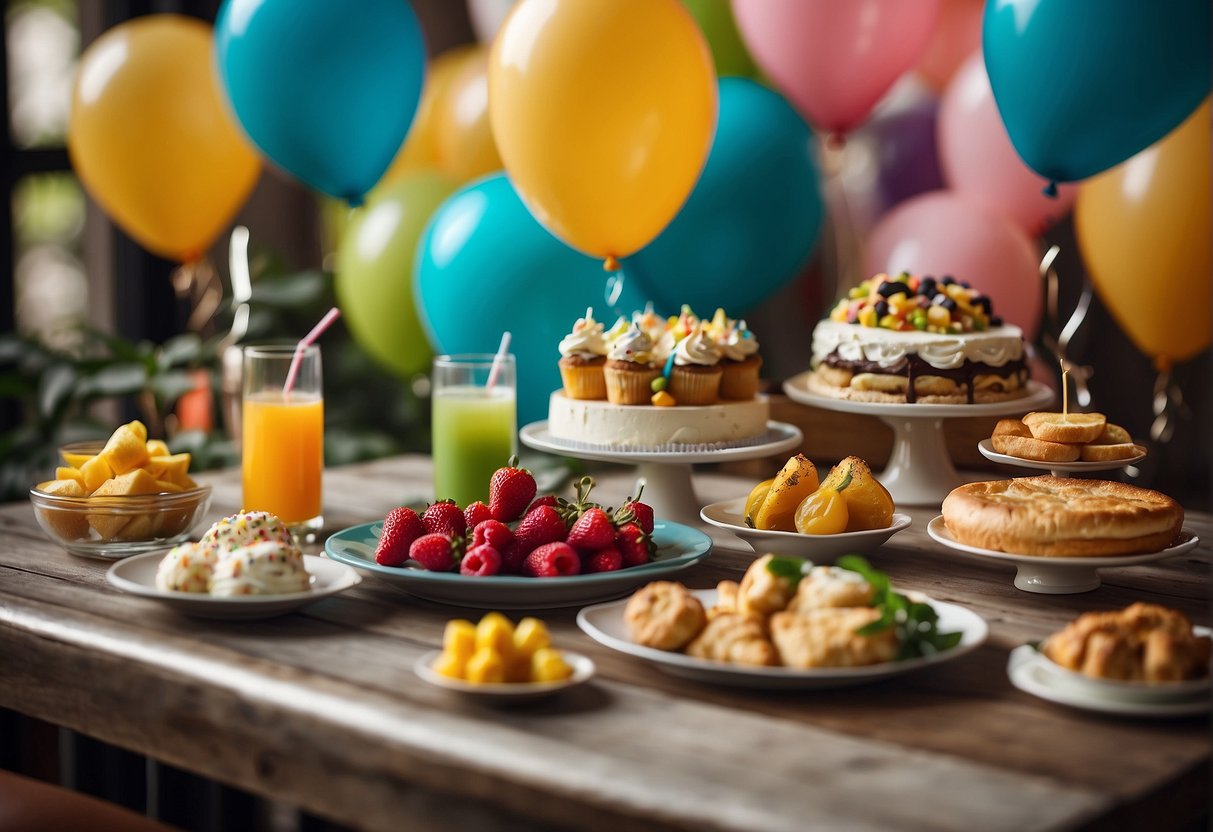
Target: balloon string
{"x": 1060, "y": 345}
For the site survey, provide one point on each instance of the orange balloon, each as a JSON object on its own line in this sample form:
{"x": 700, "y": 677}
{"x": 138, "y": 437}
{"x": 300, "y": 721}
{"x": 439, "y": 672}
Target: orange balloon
{"x": 957, "y": 36}
{"x": 151, "y": 138}
{"x": 461, "y": 122}
{"x": 1144, "y": 231}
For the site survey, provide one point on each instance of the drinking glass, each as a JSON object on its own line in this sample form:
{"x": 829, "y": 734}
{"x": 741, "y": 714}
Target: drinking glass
{"x": 474, "y": 426}
{"x": 283, "y": 436}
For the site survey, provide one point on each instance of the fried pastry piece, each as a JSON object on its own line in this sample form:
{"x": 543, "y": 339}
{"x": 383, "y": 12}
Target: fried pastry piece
{"x": 762, "y": 592}
{"x": 726, "y": 599}
{"x": 1113, "y": 435}
{"x": 664, "y": 615}
{"x": 1011, "y": 427}
{"x": 827, "y": 638}
{"x": 1026, "y": 447}
{"x": 734, "y": 638}
{"x": 1145, "y": 642}
{"x": 830, "y": 586}
{"x": 1066, "y": 427}
{"x": 1111, "y": 453}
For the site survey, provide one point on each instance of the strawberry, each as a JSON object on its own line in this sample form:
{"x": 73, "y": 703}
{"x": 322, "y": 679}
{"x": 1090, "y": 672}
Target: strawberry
{"x": 603, "y": 560}
{"x": 434, "y": 552}
{"x": 633, "y": 544}
{"x": 481, "y": 561}
{"x": 592, "y": 530}
{"x": 635, "y": 511}
{"x": 444, "y": 517}
{"x": 493, "y": 532}
{"x": 552, "y": 560}
{"x": 400, "y": 528}
{"x": 510, "y": 491}
{"x": 543, "y": 525}
{"x": 476, "y": 513}
{"x": 545, "y": 500}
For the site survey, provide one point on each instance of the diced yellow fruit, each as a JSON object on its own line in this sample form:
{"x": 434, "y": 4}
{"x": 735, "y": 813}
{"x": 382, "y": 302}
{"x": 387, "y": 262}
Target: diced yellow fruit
{"x": 889, "y": 322}
{"x": 867, "y": 316}
{"x": 757, "y": 494}
{"x": 137, "y": 428}
{"x": 126, "y": 449}
{"x": 95, "y": 472}
{"x": 63, "y": 488}
{"x": 186, "y": 483}
{"x": 795, "y": 481}
{"x": 172, "y": 468}
{"x": 530, "y": 635}
{"x": 547, "y": 665}
{"x": 107, "y": 525}
{"x": 869, "y": 505}
{"x": 459, "y": 639}
{"x": 663, "y": 399}
{"x": 485, "y": 667}
{"x": 495, "y": 632}
{"x": 449, "y": 664}
{"x": 822, "y": 512}
{"x": 140, "y": 527}
{"x": 68, "y": 524}
{"x": 166, "y": 487}
{"x": 75, "y": 460}
{"x": 62, "y": 473}
{"x": 138, "y": 481}
{"x": 157, "y": 447}
{"x": 938, "y": 316}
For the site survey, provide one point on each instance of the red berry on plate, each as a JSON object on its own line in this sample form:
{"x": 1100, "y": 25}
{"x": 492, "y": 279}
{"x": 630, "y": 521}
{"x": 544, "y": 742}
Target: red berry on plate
{"x": 444, "y": 517}
{"x": 592, "y": 530}
{"x": 400, "y": 528}
{"x": 545, "y": 500}
{"x": 476, "y": 513}
{"x": 434, "y": 552}
{"x": 552, "y": 560}
{"x": 604, "y": 560}
{"x": 481, "y": 561}
{"x": 510, "y": 491}
{"x": 543, "y": 525}
{"x": 512, "y": 560}
{"x": 636, "y": 512}
{"x": 634, "y": 545}
{"x": 493, "y": 532}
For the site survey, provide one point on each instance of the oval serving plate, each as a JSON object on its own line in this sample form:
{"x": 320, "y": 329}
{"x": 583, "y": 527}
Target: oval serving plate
{"x": 819, "y": 548}
{"x": 513, "y": 692}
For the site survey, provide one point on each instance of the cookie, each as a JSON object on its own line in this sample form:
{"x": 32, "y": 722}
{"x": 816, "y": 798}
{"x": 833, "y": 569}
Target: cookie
{"x": 1111, "y": 453}
{"x": 664, "y": 615}
{"x": 1073, "y": 428}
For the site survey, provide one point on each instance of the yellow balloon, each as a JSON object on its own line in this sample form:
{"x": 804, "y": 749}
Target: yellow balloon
{"x": 420, "y": 148}
{"x": 1144, "y": 230}
{"x": 603, "y": 111}
{"x": 466, "y": 148}
{"x": 151, "y": 138}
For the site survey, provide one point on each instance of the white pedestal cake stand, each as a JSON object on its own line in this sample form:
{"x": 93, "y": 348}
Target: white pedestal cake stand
{"x": 920, "y": 472}
{"x": 666, "y": 474}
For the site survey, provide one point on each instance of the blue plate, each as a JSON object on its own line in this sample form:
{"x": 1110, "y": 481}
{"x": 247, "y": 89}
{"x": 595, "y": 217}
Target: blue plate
{"x": 678, "y": 547}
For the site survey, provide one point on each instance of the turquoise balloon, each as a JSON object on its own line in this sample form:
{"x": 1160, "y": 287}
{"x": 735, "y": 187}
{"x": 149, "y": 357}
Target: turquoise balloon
{"x": 1082, "y": 86}
{"x": 326, "y": 90}
{"x": 486, "y": 266}
{"x": 751, "y": 222}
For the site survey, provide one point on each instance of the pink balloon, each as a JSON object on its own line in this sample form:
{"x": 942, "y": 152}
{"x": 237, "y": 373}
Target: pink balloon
{"x": 944, "y": 233}
{"x": 835, "y": 58}
{"x": 956, "y": 35}
{"x": 979, "y": 160}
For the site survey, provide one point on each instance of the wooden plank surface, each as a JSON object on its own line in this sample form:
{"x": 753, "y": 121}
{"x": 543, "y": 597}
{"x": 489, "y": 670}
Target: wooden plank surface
{"x": 321, "y": 707}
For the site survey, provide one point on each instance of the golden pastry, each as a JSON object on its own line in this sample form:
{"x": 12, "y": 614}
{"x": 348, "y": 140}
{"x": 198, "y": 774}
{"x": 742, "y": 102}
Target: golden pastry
{"x": 830, "y": 586}
{"x": 1066, "y": 427}
{"x": 726, "y": 599}
{"x": 1028, "y": 447}
{"x": 763, "y": 592}
{"x": 738, "y": 639}
{"x": 827, "y": 638}
{"x": 1011, "y": 427}
{"x": 1111, "y": 453}
{"x": 1112, "y": 435}
{"x": 1143, "y": 642}
{"x": 664, "y": 615}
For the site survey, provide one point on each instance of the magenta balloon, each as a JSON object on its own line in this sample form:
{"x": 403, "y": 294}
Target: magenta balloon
{"x": 944, "y": 233}
{"x": 979, "y": 160}
{"x": 834, "y": 59}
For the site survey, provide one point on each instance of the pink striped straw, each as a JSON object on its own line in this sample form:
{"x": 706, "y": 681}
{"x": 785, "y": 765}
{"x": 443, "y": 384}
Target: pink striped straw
{"x": 307, "y": 340}
{"x": 499, "y": 359}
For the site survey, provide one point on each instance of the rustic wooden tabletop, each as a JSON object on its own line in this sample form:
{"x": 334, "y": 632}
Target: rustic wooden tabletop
{"x": 321, "y": 707}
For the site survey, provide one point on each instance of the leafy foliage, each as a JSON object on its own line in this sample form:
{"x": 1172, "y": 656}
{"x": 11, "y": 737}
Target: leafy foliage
{"x": 915, "y": 622}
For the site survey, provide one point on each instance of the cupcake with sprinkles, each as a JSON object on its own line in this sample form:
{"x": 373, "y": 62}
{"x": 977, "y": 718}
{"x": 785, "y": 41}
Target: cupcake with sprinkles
{"x": 583, "y": 357}
{"x": 741, "y": 361}
{"x": 629, "y": 368}
{"x": 697, "y": 371}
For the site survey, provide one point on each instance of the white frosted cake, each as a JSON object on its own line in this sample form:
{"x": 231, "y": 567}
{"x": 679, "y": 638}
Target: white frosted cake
{"x": 638, "y": 426}
{"x": 913, "y": 339}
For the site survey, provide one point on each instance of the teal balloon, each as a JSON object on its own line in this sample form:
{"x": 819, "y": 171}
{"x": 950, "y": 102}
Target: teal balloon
{"x": 752, "y": 220}
{"x": 326, "y": 90}
{"x": 486, "y": 266}
{"x": 1082, "y": 86}
{"x": 374, "y": 270}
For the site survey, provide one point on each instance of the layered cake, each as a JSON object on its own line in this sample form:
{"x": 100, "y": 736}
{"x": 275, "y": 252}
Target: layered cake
{"x": 917, "y": 339}
{"x": 651, "y": 381}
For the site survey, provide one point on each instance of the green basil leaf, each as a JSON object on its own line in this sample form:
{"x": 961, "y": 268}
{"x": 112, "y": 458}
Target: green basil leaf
{"x": 790, "y": 568}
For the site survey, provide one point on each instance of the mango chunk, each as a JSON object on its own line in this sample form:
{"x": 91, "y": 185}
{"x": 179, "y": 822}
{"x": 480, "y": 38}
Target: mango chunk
{"x": 172, "y": 468}
{"x": 69, "y": 525}
{"x": 139, "y": 528}
{"x": 126, "y": 449}
{"x": 166, "y": 487}
{"x": 62, "y": 473}
{"x": 108, "y": 524}
{"x": 63, "y": 488}
{"x": 75, "y": 460}
{"x": 157, "y": 447}
{"x": 95, "y": 472}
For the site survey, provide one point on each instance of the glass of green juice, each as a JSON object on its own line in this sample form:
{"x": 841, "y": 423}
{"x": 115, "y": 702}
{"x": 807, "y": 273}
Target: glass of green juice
{"x": 475, "y": 428}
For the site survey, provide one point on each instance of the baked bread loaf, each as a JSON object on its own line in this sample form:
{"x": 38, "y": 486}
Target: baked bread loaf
{"x": 1143, "y": 642}
{"x": 1062, "y": 517}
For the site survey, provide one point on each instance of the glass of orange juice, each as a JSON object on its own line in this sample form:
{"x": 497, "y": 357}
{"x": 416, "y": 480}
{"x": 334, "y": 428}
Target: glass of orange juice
{"x": 283, "y": 436}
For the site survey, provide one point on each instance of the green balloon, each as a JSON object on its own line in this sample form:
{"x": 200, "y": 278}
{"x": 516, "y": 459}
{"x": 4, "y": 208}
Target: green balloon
{"x": 374, "y": 278}
{"x": 715, "y": 19}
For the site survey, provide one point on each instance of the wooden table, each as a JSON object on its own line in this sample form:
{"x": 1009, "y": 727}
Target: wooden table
{"x": 321, "y": 708}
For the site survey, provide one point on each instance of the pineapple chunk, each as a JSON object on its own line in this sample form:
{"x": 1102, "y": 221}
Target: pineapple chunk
{"x": 485, "y": 667}
{"x": 95, "y": 472}
{"x": 62, "y": 473}
{"x": 166, "y": 487}
{"x": 63, "y": 488}
{"x": 530, "y": 636}
{"x": 108, "y": 524}
{"x": 125, "y": 449}
{"x": 69, "y": 525}
{"x": 75, "y": 460}
{"x": 172, "y": 468}
{"x": 459, "y": 639}
{"x": 157, "y": 447}
{"x": 495, "y": 632}
{"x": 547, "y": 665}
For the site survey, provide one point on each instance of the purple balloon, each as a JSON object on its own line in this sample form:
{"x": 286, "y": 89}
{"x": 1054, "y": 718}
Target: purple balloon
{"x": 907, "y": 159}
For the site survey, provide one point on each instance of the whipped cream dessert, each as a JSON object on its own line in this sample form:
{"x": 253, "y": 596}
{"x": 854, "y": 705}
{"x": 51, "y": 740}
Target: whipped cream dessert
{"x": 266, "y": 568}
{"x": 247, "y": 528}
{"x": 187, "y": 568}
{"x": 250, "y": 553}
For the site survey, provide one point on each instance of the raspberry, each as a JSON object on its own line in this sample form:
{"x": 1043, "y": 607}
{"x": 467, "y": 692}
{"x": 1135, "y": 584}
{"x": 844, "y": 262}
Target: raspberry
{"x": 434, "y": 552}
{"x": 604, "y": 560}
{"x": 476, "y": 513}
{"x": 444, "y": 517}
{"x": 543, "y": 525}
{"x": 512, "y": 560}
{"x": 510, "y": 491}
{"x": 552, "y": 560}
{"x": 493, "y": 532}
{"x": 400, "y": 528}
{"x": 481, "y": 561}
{"x": 592, "y": 530}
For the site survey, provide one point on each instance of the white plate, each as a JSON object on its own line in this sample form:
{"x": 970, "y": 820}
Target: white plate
{"x": 779, "y": 437}
{"x": 137, "y": 576}
{"x": 1032, "y": 674}
{"x": 798, "y": 390}
{"x": 1058, "y": 576}
{"x": 515, "y": 692}
{"x": 604, "y": 623}
{"x": 819, "y": 548}
{"x": 1058, "y": 469}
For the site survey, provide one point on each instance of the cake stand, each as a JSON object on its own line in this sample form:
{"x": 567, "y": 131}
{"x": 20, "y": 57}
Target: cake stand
{"x": 1057, "y": 469}
{"x": 666, "y": 474}
{"x": 920, "y": 472}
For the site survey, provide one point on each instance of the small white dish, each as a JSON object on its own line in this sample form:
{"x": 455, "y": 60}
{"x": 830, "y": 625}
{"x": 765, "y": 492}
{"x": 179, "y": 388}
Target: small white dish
{"x": 1130, "y": 691}
{"x": 137, "y": 576}
{"x": 605, "y": 624}
{"x": 1058, "y": 576}
{"x": 819, "y": 548}
{"x": 1032, "y": 673}
{"x": 1057, "y": 469}
{"x": 512, "y": 692}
